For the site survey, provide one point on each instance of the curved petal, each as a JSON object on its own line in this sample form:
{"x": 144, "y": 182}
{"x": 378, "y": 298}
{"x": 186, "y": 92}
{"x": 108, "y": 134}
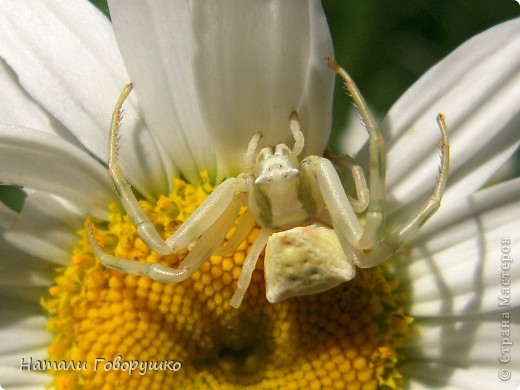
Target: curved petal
{"x": 28, "y": 334}
{"x": 45, "y": 228}
{"x": 263, "y": 61}
{"x": 23, "y": 278}
{"x": 460, "y": 220}
{"x": 12, "y": 378}
{"x": 155, "y": 41}
{"x": 47, "y": 163}
{"x": 18, "y": 108}
{"x": 462, "y": 264}
{"x": 226, "y": 69}
{"x": 462, "y": 353}
{"x": 23, "y": 336}
{"x": 65, "y": 56}
{"x": 432, "y": 375}
{"x": 21, "y": 271}
{"x": 476, "y": 87}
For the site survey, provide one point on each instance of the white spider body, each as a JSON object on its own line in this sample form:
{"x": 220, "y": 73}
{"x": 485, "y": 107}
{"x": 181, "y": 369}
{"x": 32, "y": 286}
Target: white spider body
{"x": 281, "y": 195}
{"x": 310, "y": 228}
{"x": 298, "y": 260}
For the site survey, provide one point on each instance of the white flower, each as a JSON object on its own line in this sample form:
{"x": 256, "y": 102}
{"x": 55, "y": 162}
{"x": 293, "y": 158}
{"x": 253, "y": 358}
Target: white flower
{"x": 202, "y": 90}
{"x": 460, "y": 276}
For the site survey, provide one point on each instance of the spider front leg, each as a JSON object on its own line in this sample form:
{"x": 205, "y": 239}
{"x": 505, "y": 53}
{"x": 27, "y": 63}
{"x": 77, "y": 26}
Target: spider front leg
{"x": 211, "y": 221}
{"x": 375, "y": 213}
{"x": 196, "y": 224}
{"x": 404, "y": 233}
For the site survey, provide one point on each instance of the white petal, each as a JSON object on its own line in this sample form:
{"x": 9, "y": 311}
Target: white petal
{"x": 14, "y": 311}
{"x": 14, "y": 259}
{"x": 463, "y": 340}
{"x": 22, "y": 279}
{"x": 21, "y": 270}
{"x": 458, "y": 265}
{"x": 476, "y": 87}
{"x": 65, "y": 55}
{"x": 265, "y": 60}
{"x": 28, "y": 294}
{"x": 155, "y": 40}
{"x": 464, "y": 213}
{"x": 462, "y": 353}
{"x": 45, "y": 162}
{"x": 24, "y": 335}
{"x": 6, "y": 217}
{"x": 431, "y": 375}
{"x": 45, "y": 228}
{"x": 12, "y": 378}
{"x": 17, "y": 108}
{"x": 226, "y": 69}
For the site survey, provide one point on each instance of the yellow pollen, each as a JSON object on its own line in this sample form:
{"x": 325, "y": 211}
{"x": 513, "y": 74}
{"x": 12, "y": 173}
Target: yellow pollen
{"x": 126, "y": 331}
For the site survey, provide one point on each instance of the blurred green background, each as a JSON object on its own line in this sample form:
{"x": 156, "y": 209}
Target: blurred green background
{"x": 386, "y": 46}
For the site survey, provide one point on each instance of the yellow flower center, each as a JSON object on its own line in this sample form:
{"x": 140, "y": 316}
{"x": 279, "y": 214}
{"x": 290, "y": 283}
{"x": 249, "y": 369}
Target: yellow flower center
{"x": 126, "y": 331}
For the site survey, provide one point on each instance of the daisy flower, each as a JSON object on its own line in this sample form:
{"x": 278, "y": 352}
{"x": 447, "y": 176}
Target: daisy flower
{"x": 442, "y": 313}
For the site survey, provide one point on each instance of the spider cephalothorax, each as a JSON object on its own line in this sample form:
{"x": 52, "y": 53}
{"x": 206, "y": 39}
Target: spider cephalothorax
{"x": 310, "y": 229}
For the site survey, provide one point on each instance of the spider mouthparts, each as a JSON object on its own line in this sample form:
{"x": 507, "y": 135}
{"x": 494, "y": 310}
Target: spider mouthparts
{"x": 260, "y": 180}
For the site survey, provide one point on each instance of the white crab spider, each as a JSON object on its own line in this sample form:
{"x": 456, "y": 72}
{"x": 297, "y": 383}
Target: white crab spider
{"x": 294, "y": 202}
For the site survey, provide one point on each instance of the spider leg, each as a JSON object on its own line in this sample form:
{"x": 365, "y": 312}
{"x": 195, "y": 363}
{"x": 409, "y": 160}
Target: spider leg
{"x": 361, "y": 203}
{"x": 203, "y": 248}
{"x": 341, "y": 212}
{"x": 375, "y": 214}
{"x": 194, "y": 226}
{"x": 230, "y": 190}
{"x": 246, "y": 224}
{"x": 299, "y": 141}
{"x": 249, "y": 266}
{"x": 409, "y": 229}
{"x": 345, "y": 163}
{"x": 249, "y": 159}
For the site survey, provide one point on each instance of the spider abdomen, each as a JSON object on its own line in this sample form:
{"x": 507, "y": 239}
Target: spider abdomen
{"x": 304, "y": 260}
